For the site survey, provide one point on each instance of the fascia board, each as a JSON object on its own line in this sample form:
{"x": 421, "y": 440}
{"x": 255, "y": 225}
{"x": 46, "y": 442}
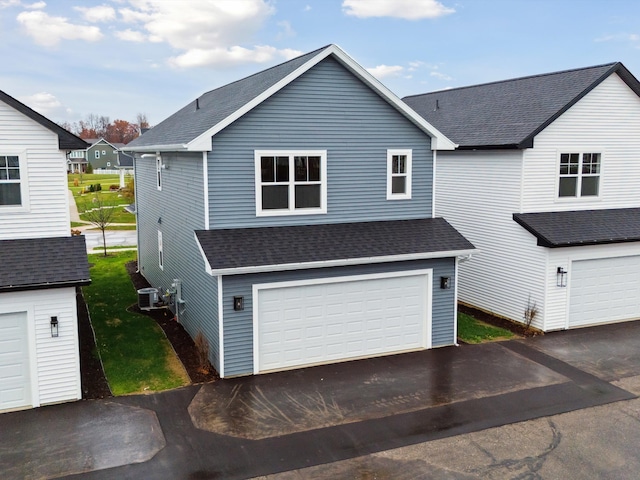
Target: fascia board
{"x": 176, "y": 147}
{"x": 338, "y": 262}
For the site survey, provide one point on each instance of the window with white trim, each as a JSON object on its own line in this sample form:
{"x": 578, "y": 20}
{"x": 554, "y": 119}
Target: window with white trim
{"x": 160, "y": 251}
{"x": 97, "y": 153}
{"x": 579, "y": 175}
{"x": 399, "y": 174}
{"x": 291, "y": 182}
{"x": 159, "y": 172}
{"x": 11, "y": 188}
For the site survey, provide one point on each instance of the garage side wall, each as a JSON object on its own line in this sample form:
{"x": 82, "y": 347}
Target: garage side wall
{"x": 238, "y": 325}
{"x": 54, "y": 362}
{"x": 176, "y": 211}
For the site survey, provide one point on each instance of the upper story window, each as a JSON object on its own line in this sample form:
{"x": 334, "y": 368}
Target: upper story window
{"x": 104, "y": 152}
{"x": 10, "y": 182}
{"x": 159, "y": 172}
{"x": 291, "y": 182}
{"x": 579, "y": 175}
{"x": 398, "y": 174}
{"x": 97, "y": 153}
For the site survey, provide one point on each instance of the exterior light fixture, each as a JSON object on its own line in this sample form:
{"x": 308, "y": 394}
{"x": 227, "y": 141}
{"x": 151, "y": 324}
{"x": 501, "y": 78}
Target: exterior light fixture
{"x": 54, "y": 326}
{"x": 238, "y": 303}
{"x": 561, "y": 277}
{"x": 445, "y": 283}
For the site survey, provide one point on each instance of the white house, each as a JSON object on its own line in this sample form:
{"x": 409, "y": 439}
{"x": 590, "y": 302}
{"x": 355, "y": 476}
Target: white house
{"x": 41, "y": 264}
{"x": 546, "y": 184}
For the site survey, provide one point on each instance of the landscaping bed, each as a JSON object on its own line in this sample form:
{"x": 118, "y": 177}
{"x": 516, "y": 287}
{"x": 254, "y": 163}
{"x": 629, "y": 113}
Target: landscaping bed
{"x": 486, "y": 317}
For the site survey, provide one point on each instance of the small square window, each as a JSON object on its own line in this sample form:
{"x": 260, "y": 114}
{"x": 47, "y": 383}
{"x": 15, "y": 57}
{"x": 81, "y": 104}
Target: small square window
{"x": 579, "y": 175}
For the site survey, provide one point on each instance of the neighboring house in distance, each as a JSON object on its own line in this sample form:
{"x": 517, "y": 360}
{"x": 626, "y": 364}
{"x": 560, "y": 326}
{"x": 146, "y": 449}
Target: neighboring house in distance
{"x": 41, "y": 264}
{"x": 102, "y": 154}
{"x": 76, "y": 161}
{"x": 291, "y": 212}
{"x": 546, "y": 184}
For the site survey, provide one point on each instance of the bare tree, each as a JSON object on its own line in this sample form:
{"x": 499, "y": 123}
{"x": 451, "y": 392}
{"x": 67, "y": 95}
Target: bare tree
{"x": 100, "y": 212}
{"x": 142, "y": 121}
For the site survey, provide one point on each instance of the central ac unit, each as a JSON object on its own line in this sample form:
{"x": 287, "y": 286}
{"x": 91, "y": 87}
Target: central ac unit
{"x": 147, "y": 298}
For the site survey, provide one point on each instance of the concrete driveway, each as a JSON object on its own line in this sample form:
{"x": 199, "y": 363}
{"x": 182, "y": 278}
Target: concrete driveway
{"x": 446, "y": 413}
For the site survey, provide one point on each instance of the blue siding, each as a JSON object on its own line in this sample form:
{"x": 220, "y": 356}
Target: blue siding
{"x": 238, "y": 326}
{"x": 327, "y": 108}
{"x": 180, "y": 206}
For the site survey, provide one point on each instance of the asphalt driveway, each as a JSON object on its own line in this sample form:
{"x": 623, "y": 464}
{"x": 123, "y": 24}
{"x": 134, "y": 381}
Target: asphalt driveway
{"x": 289, "y": 421}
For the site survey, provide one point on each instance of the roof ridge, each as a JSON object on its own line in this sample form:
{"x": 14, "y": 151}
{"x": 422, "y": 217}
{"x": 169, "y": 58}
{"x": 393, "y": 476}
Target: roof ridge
{"x": 526, "y": 77}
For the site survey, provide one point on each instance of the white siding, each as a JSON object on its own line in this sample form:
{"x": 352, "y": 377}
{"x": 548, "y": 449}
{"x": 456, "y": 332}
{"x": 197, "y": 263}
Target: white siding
{"x": 558, "y": 297}
{"x": 606, "y": 120}
{"x": 478, "y": 192}
{"x": 47, "y": 214}
{"x": 55, "y": 362}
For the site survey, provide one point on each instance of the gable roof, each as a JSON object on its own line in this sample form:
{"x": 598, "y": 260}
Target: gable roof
{"x": 583, "y": 227}
{"x": 250, "y": 250}
{"x": 192, "y": 127}
{"x": 40, "y": 263}
{"x": 95, "y": 141}
{"x": 510, "y": 113}
{"x": 66, "y": 139}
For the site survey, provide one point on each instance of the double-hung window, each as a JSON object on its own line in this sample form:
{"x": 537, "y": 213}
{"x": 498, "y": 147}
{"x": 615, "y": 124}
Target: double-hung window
{"x": 579, "y": 175}
{"x": 398, "y": 174}
{"x": 291, "y": 182}
{"x": 11, "y": 188}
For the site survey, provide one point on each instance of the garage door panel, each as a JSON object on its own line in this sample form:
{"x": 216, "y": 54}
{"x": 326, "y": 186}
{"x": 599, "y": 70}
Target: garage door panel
{"x": 15, "y": 389}
{"x": 604, "y": 290}
{"x": 340, "y": 320}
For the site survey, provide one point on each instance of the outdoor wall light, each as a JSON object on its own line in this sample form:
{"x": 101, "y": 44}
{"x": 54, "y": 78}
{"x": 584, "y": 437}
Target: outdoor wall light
{"x": 54, "y": 326}
{"x": 561, "y": 277}
{"x": 445, "y": 283}
{"x": 238, "y": 303}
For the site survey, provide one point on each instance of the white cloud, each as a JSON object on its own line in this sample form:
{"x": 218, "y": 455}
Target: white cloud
{"x": 129, "y": 35}
{"x": 619, "y": 37}
{"x": 383, "y": 71}
{"x": 235, "y": 55}
{"x": 440, "y": 75}
{"x": 406, "y": 9}
{"x": 286, "y": 30}
{"x": 9, "y": 3}
{"x": 18, "y": 3}
{"x": 101, "y": 13}
{"x": 208, "y": 32}
{"x": 48, "y": 30}
{"x": 45, "y": 104}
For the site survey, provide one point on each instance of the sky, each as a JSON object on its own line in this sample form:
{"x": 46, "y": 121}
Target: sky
{"x": 70, "y": 58}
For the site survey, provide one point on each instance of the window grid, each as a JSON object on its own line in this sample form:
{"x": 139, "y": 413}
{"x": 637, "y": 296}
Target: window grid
{"x": 10, "y": 184}
{"x": 579, "y": 175}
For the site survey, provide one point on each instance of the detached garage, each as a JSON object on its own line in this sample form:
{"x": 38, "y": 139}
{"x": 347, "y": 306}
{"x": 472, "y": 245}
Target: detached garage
{"x": 345, "y": 291}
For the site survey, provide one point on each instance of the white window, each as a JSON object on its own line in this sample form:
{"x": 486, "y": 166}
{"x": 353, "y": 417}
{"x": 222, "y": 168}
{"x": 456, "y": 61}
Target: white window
{"x": 579, "y": 175}
{"x": 159, "y": 172}
{"x": 160, "y": 251}
{"x": 97, "y": 153}
{"x": 104, "y": 152}
{"x": 11, "y": 182}
{"x": 398, "y": 174}
{"x": 108, "y": 164}
{"x": 291, "y": 182}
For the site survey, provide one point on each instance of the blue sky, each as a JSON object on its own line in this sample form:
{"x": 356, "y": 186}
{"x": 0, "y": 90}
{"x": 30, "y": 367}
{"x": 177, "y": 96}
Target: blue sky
{"x": 67, "y": 59}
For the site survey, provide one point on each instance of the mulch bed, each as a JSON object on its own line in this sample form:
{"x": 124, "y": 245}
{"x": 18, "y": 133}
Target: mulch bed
{"x": 94, "y": 382}
{"x": 486, "y": 317}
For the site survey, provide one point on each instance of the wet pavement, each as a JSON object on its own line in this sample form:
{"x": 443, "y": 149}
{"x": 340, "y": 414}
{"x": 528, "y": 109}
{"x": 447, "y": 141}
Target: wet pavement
{"x": 327, "y": 415}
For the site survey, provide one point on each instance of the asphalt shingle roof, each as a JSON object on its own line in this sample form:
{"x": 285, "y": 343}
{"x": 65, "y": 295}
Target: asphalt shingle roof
{"x": 214, "y": 106}
{"x": 66, "y": 139}
{"x": 270, "y": 246}
{"x": 508, "y": 114}
{"x": 584, "y": 227}
{"x": 37, "y": 263}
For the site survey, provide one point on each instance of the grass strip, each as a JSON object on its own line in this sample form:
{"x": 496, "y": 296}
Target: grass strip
{"x": 137, "y": 357}
{"x": 471, "y": 330}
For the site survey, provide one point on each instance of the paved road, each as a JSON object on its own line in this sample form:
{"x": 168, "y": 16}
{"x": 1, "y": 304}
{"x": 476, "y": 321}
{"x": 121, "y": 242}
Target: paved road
{"x": 113, "y": 237}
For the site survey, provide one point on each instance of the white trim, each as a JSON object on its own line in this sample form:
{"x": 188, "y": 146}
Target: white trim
{"x": 172, "y": 147}
{"x": 455, "y": 302}
{"x": 205, "y": 181}
{"x": 160, "y": 251}
{"x": 580, "y": 151}
{"x": 428, "y": 305}
{"x": 291, "y": 183}
{"x": 407, "y": 174}
{"x": 220, "y": 327}
{"x": 23, "y": 182}
{"x": 338, "y": 262}
{"x": 438, "y": 140}
{"x": 433, "y": 185}
{"x": 158, "y": 171}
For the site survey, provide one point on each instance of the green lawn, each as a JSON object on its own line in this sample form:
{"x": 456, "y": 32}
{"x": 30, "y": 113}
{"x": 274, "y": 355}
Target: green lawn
{"x": 137, "y": 357}
{"x": 471, "y": 330}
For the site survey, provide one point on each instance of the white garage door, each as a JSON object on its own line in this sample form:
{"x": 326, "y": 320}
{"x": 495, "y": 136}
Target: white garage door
{"x": 15, "y": 391}
{"x": 604, "y": 290}
{"x": 340, "y": 319}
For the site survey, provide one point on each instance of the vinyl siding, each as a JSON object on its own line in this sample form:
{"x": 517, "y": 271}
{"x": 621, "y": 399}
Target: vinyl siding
{"x": 47, "y": 213}
{"x": 327, "y": 108}
{"x": 54, "y": 362}
{"x": 558, "y": 297}
{"x": 478, "y": 192}
{"x": 607, "y": 121}
{"x": 238, "y": 326}
{"x": 180, "y": 208}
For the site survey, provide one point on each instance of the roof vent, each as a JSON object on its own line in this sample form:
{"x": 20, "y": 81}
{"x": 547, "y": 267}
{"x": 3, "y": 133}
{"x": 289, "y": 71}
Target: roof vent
{"x": 437, "y": 105}
{"x": 197, "y": 104}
